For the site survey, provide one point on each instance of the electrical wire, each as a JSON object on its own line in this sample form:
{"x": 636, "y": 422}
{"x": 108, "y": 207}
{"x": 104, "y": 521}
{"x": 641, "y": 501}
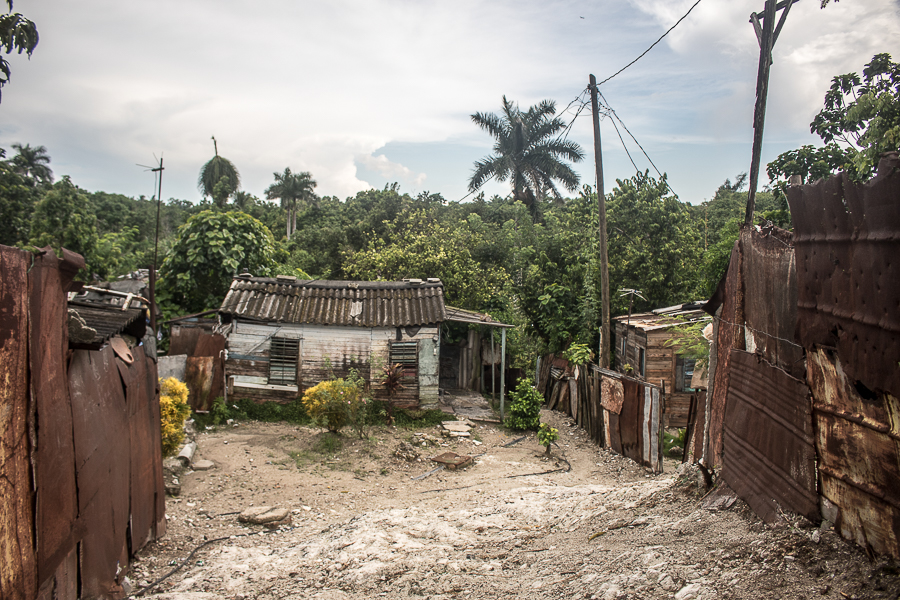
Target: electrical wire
{"x": 652, "y": 45}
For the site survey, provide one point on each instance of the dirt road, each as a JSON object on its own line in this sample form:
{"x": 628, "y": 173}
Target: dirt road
{"x": 584, "y": 523}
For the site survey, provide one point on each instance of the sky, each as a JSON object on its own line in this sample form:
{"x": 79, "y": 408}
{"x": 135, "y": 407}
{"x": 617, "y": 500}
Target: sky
{"x": 365, "y": 93}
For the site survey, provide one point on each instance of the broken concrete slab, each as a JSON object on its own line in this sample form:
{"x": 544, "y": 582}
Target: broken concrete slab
{"x": 265, "y": 515}
{"x": 203, "y": 465}
{"x": 457, "y": 425}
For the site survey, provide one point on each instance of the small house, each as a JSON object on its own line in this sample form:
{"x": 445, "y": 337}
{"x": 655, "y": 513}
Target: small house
{"x": 286, "y": 335}
{"x": 645, "y": 348}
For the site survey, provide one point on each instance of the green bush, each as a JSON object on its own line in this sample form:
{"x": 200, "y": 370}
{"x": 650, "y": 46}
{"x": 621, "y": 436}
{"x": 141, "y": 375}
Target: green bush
{"x": 524, "y": 407}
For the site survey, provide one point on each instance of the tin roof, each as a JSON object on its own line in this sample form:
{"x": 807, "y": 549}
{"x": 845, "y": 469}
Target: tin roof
{"x": 349, "y": 303}
{"x": 664, "y": 318}
{"x": 461, "y": 315}
{"x": 101, "y": 322}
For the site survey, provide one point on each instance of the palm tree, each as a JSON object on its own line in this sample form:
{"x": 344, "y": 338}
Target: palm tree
{"x": 244, "y": 201}
{"x": 528, "y": 152}
{"x": 32, "y": 163}
{"x": 219, "y": 178}
{"x": 291, "y": 188}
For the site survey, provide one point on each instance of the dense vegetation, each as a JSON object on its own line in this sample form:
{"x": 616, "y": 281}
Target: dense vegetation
{"x": 530, "y": 259}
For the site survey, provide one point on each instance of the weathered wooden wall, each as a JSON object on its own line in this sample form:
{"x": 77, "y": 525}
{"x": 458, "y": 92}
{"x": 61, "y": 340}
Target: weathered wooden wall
{"x": 326, "y": 351}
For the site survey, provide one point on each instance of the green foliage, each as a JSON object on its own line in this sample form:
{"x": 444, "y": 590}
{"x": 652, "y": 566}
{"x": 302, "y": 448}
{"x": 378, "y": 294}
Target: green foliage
{"x": 63, "y": 219}
{"x": 863, "y": 113}
{"x": 16, "y": 33}
{"x": 17, "y": 200}
{"x": 218, "y": 179}
{"x": 688, "y": 338}
{"x": 547, "y": 435}
{"x": 578, "y": 354}
{"x": 32, "y": 163}
{"x": 673, "y": 445}
{"x": 291, "y": 189}
{"x": 529, "y": 152}
{"x": 654, "y": 244}
{"x": 524, "y": 407}
{"x": 209, "y": 249}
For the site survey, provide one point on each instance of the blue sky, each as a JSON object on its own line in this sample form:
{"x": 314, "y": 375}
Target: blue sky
{"x": 362, "y": 94}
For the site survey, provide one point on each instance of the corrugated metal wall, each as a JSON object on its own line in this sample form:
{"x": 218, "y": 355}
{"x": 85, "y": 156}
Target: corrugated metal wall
{"x": 97, "y": 463}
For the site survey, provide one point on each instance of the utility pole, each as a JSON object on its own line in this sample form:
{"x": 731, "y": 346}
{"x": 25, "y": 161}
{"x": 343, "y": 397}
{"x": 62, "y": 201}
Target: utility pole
{"x": 603, "y": 359}
{"x": 159, "y": 170}
{"x": 766, "y": 35}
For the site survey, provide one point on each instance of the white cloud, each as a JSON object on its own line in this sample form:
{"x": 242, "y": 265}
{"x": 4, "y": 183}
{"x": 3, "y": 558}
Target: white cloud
{"x": 391, "y": 170}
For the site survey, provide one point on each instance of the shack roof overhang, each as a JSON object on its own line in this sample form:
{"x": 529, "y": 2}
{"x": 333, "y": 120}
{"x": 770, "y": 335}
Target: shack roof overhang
{"x": 103, "y": 321}
{"x": 460, "y": 315}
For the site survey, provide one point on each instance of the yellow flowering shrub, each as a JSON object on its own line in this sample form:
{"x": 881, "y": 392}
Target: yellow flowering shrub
{"x": 331, "y": 404}
{"x": 173, "y": 411}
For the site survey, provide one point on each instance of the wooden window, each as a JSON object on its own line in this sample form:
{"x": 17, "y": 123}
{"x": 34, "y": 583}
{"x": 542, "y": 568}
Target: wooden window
{"x": 283, "y": 355}
{"x": 407, "y": 354}
{"x": 684, "y": 372}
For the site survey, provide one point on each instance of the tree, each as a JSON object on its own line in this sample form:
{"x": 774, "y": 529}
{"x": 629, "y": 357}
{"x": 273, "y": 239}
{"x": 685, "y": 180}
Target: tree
{"x": 291, "y": 189}
{"x": 528, "y": 152}
{"x": 209, "y": 250}
{"x": 219, "y": 178}
{"x": 17, "y": 199}
{"x": 244, "y": 200}
{"x": 63, "y": 219}
{"x": 16, "y": 33}
{"x": 655, "y": 246}
{"x": 32, "y": 163}
{"x": 864, "y": 114}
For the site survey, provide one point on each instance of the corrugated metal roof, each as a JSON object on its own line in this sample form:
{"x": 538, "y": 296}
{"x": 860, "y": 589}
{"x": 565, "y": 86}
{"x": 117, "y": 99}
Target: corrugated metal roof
{"x": 349, "y": 303}
{"x": 105, "y": 319}
{"x": 651, "y": 321}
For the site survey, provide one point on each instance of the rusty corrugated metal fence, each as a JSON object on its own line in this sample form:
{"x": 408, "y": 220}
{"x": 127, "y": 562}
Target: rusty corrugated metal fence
{"x": 97, "y": 492}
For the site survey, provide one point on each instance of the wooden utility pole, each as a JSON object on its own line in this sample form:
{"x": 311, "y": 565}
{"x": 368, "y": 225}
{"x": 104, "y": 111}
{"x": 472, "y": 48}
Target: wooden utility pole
{"x": 603, "y": 359}
{"x": 766, "y": 34}
{"x": 159, "y": 170}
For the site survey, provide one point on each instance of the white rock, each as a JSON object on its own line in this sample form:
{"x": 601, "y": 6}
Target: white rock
{"x": 688, "y": 592}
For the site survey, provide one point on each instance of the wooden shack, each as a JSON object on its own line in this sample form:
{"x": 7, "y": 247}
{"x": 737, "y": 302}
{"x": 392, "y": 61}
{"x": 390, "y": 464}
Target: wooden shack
{"x": 644, "y": 349}
{"x": 286, "y": 335}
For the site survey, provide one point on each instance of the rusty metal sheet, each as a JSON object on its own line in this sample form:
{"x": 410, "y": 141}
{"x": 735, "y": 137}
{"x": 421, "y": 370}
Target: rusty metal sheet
{"x": 142, "y": 486}
{"x": 199, "y": 375}
{"x": 858, "y": 441}
{"x": 56, "y": 510}
{"x": 18, "y": 577}
{"x": 730, "y": 334}
{"x": 769, "y": 452}
{"x": 847, "y": 240}
{"x": 63, "y": 584}
{"x": 155, "y": 438}
{"x": 102, "y": 465}
{"x": 612, "y": 395}
{"x": 769, "y": 276}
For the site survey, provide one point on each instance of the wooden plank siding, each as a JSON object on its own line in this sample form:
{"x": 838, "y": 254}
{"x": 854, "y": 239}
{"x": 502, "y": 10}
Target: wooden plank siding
{"x": 659, "y": 368}
{"x": 327, "y": 351}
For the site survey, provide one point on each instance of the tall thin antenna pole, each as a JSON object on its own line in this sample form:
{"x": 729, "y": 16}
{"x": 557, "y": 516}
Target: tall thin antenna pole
{"x": 159, "y": 170}
{"x": 603, "y": 359}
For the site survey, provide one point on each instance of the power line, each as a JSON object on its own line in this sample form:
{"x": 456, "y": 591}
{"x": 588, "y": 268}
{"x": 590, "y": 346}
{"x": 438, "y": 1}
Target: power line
{"x": 647, "y": 156}
{"x": 652, "y": 45}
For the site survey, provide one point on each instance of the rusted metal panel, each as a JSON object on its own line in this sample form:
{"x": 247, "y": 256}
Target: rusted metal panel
{"x": 349, "y": 303}
{"x": 56, "y": 527}
{"x": 847, "y": 239}
{"x": 858, "y": 441}
{"x": 63, "y": 584}
{"x": 18, "y": 576}
{"x": 108, "y": 320}
{"x": 769, "y": 275}
{"x": 102, "y": 465}
{"x": 142, "y": 488}
{"x": 634, "y": 431}
{"x": 200, "y": 375}
{"x": 769, "y": 450}
{"x": 727, "y": 306}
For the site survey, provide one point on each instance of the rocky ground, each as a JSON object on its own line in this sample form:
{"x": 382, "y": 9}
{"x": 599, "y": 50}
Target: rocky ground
{"x": 584, "y": 523}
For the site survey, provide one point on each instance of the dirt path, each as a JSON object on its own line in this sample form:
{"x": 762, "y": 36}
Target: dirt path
{"x": 599, "y": 526}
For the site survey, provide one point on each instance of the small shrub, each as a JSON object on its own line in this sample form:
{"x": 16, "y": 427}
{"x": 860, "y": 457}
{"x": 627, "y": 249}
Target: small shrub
{"x": 173, "y": 411}
{"x": 673, "y": 445}
{"x": 524, "y": 407}
{"x": 578, "y": 354}
{"x": 332, "y": 404}
{"x": 546, "y": 436}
